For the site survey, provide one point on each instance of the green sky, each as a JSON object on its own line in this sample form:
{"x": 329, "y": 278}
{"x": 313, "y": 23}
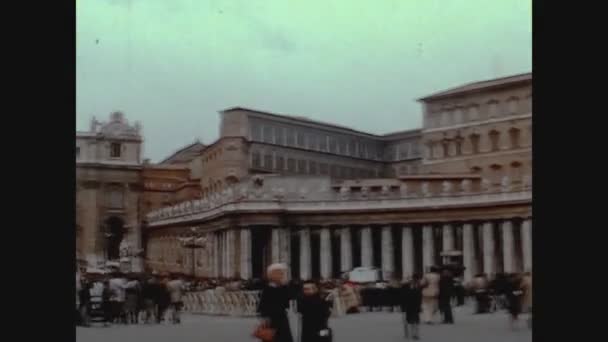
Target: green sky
{"x": 172, "y": 64}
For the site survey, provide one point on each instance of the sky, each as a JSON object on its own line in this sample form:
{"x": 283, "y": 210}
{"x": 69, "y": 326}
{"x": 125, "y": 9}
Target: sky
{"x": 173, "y": 64}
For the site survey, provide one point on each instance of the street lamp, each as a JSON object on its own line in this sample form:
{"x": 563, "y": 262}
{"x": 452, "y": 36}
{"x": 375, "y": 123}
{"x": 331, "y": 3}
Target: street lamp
{"x": 194, "y": 241}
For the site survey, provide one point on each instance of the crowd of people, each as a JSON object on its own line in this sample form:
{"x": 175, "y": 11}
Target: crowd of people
{"x": 120, "y": 298}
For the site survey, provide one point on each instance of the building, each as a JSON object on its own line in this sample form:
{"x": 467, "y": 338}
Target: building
{"x": 108, "y": 191}
{"x": 325, "y": 198}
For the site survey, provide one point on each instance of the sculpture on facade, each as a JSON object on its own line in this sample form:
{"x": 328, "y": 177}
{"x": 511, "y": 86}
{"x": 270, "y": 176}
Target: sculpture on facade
{"x": 465, "y": 186}
{"x": 344, "y": 192}
{"x": 505, "y": 183}
{"x": 425, "y": 188}
{"x": 385, "y": 191}
{"x": 446, "y": 187}
{"x": 364, "y": 191}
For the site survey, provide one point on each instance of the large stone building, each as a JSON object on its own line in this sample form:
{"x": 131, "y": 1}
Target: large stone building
{"x": 325, "y": 198}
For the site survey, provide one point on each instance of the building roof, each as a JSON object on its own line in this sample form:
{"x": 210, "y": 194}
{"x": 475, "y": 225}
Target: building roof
{"x": 185, "y": 154}
{"x": 300, "y": 119}
{"x": 481, "y": 85}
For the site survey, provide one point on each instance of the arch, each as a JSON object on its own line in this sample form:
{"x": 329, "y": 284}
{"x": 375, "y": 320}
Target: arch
{"x": 114, "y": 232}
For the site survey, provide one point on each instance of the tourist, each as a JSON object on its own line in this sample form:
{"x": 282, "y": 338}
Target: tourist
{"x": 149, "y": 291}
{"x": 106, "y": 303}
{"x": 133, "y": 291}
{"x": 84, "y": 296}
{"x": 514, "y": 295}
{"x": 274, "y": 301}
{"x": 176, "y": 289}
{"x": 163, "y": 299}
{"x": 430, "y": 294}
{"x": 480, "y": 289}
{"x": 446, "y": 291}
{"x": 411, "y": 301}
{"x": 315, "y": 312}
{"x": 118, "y": 286}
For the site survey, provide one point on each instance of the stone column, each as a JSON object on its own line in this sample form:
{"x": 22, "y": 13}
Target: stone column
{"x": 407, "y": 252}
{"x": 448, "y": 238}
{"x": 346, "y": 251}
{"x": 488, "y": 249}
{"x": 468, "y": 256}
{"x": 325, "y": 251}
{"x": 388, "y": 253}
{"x": 305, "y": 262}
{"x": 526, "y": 241}
{"x": 428, "y": 249}
{"x": 246, "y": 266}
{"x": 508, "y": 247}
{"x": 285, "y": 247}
{"x": 367, "y": 252}
{"x": 231, "y": 252}
{"x": 217, "y": 262}
{"x": 275, "y": 247}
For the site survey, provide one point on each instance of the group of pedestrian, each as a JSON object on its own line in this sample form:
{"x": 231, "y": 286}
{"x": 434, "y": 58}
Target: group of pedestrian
{"x": 313, "y": 309}
{"x": 129, "y": 299}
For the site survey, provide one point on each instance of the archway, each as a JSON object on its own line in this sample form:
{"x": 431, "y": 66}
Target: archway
{"x": 115, "y": 232}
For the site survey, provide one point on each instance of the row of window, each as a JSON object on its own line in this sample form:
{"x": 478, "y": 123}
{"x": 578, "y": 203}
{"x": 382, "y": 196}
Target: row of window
{"x": 454, "y": 146}
{"x": 475, "y": 112}
{"x": 281, "y": 164}
{"x": 115, "y": 150}
{"x": 402, "y": 151}
{"x": 286, "y": 136}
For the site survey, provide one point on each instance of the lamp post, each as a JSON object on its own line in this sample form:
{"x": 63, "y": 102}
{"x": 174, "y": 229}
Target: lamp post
{"x": 193, "y": 242}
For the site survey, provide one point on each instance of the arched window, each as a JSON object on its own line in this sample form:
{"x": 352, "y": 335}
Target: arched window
{"x": 494, "y": 140}
{"x": 458, "y": 144}
{"x": 445, "y": 144}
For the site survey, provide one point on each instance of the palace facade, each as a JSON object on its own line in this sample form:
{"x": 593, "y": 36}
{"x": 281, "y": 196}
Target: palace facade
{"x": 325, "y": 198}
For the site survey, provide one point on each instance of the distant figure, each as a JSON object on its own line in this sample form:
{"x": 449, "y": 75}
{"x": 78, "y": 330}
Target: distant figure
{"x": 411, "y": 306}
{"x": 430, "y": 295}
{"x": 163, "y": 299}
{"x": 133, "y": 291}
{"x": 514, "y": 295}
{"x": 149, "y": 293}
{"x": 274, "y": 302}
{"x": 315, "y": 313}
{"x": 176, "y": 289}
{"x": 482, "y": 296}
{"x": 446, "y": 291}
{"x": 118, "y": 286}
{"x": 106, "y": 303}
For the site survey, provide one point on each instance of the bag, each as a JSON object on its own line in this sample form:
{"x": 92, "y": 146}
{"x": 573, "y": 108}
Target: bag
{"x": 264, "y": 333}
{"x": 326, "y": 335}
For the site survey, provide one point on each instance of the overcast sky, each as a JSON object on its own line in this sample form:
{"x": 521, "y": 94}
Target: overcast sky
{"x": 173, "y": 64}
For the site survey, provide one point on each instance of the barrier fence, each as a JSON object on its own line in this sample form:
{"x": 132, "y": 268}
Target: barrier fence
{"x": 239, "y": 303}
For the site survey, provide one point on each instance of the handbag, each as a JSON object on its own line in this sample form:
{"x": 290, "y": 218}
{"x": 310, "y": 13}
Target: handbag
{"x": 264, "y": 333}
{"x": 326, "y": 335}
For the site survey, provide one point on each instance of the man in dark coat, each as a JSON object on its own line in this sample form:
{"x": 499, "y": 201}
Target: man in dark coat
{"x": 446, "y": 291}
{"x": 274, "y": 302}
{"x": 411, "y": 306}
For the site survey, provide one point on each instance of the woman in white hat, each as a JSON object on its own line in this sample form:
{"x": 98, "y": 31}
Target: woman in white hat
{"x": 274, "y": 303}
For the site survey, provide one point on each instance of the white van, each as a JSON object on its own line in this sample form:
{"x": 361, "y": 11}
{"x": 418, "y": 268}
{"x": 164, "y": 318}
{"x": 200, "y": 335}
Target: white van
{"x": 365, "y": 275}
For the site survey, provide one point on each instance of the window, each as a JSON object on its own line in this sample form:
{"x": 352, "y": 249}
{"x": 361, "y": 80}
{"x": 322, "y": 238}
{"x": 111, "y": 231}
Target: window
{"x": 403, "y": 151}
{"x": 256, "y": 132}
{"x": 334, "y": 171}
{"x": 475, "y": 143}
{"x": 494, "y": 140}
{"x": 115, "y": 149}
{"x": 255, "y": 159}
{"x": 332, "y": 145}
{"x": 302, "y": 166}
{"x": 279, "y": 135}
{"x": 513, "y": 105}
{"x": 458, "y": 115}
{"x": 268, "y": 161}
{"x": 492, "y": 109}
{"x": 268, "y": 134}
{"x": 280, "y": 163}
{"x": 300, "y": 139}
{"x": 514, "y": 134}
{"x": 458, "y": 142}
{"x": 312, "y": 167}
{"x": 114, "y": 197}
{"x": 324, "y": 169}
{"x": 77, "y": 152}
{"x": 290, "y": 137}
{"x": 291, "y": 165}
{"x": 474, "y": 113}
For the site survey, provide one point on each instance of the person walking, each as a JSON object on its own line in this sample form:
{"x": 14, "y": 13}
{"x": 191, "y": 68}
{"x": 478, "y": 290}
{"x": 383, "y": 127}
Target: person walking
{"x": 118, "y": 286}
{"x": 176, "y": 288}
{"x": 411, "y": 306}
{"x": 514, "y": 296}
{"x": 315, "y": 312}
{"x": 106, "y": 303}
{"x": 148, "y": 293}
{"x": 430, "y": 293}
{"x": 132, "y": 291}
{"x": 84, "y": 296}
{"x": 446, "y": 292}
{"x": 274, "y": 302}
{"x": 163, "y": 299}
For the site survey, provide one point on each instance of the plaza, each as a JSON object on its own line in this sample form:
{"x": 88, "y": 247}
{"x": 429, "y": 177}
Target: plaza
{"x": 377, "y": 326}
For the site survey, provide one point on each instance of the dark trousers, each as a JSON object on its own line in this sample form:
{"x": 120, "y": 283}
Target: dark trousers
{"x": 160, "y": 312}
{"x": 446, "y": 309}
